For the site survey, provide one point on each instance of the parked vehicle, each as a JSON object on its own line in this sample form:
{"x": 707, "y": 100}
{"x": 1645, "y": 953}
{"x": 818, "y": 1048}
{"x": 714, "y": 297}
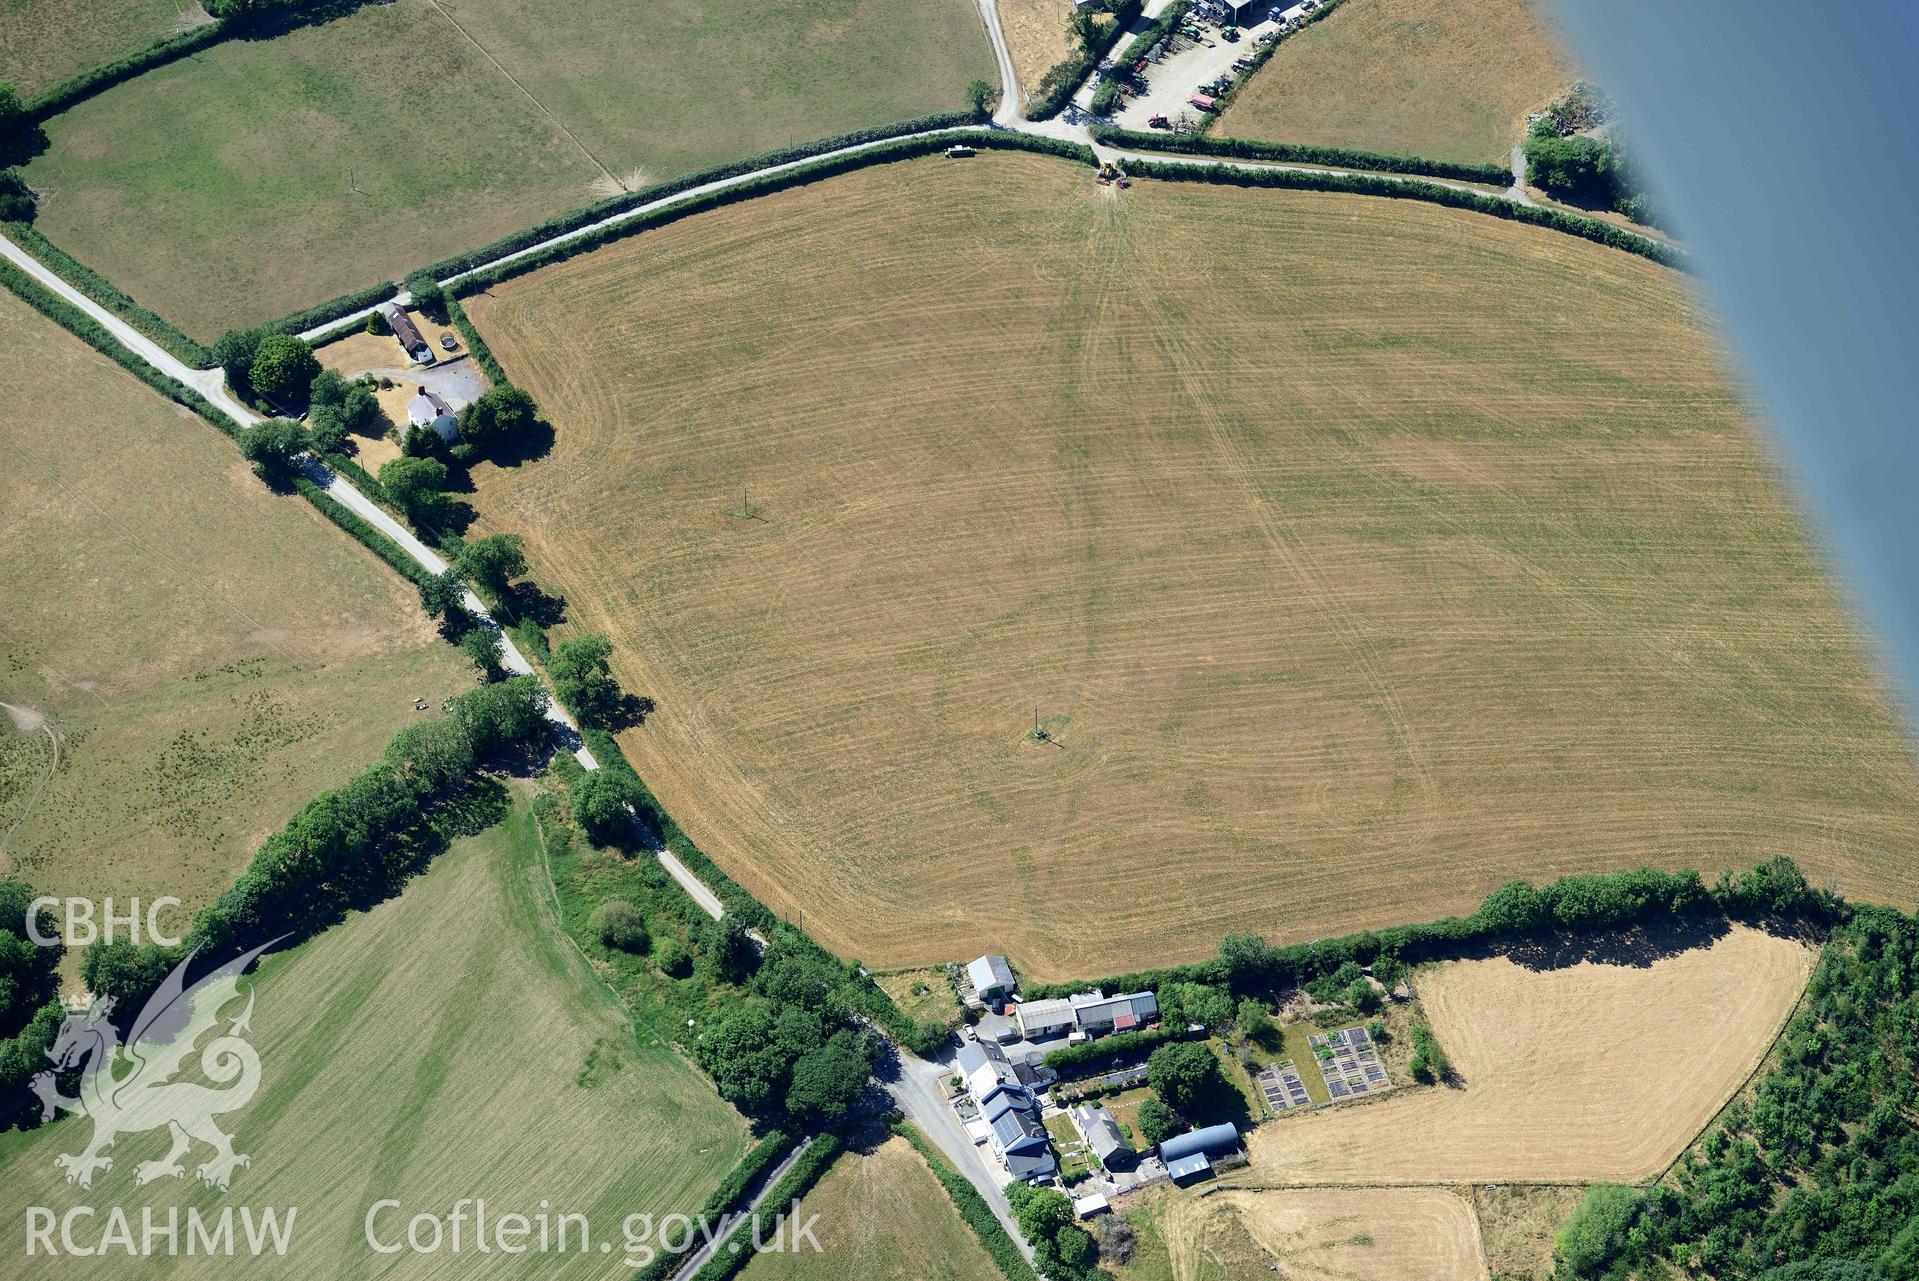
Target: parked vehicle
{"x": 959, "y": 149}
{"x": 1203, "y": 102}
{"x": 1159, "y": 122}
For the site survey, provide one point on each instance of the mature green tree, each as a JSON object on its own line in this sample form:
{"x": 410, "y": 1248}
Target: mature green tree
{"x": 342, "y": 405}
{"x": 673, "y": 959}
{"x": 271, "y": 447}
{"x": 1578, "y": 168}
{"x": 1596, "y": 1232}
{"x": 619, "y": 925}
{"x": 1186, "y": 1076}
{"x": 1157, "y": 1122}
{"x": 482, "y": 645}
{"x": 508, "y": 713}
{"x": 17, "y": 203}
{"x": 443, "y": 595}
{"x": 418, "y": 485}
{"x": 494, "y": 561}
{"x": 29, "y": 971}
{"x": 982, "y": 97}
{"x": 730, "y": 952}
{"x": 827, "y": 1081}
{"x": 235, "y": 351}
{"x": 1254, "y": 1021}
{"x": 428, "y": 296}
{"x": 584, "y": 680}
{"x": 740, "y": 1050}
{"x": 129, "y": 972}
{"x": 1250, "y": 963}
{"x": 1063, "y": 1249}
{"x": 283, "y": 367}
{"x": 13, "y": 113}
{"x": 600, "y": 801}
{"x": 496, "y": 417}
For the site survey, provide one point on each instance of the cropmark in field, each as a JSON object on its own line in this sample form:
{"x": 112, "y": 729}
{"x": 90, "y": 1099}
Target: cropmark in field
{"x": 1356, "y": 555}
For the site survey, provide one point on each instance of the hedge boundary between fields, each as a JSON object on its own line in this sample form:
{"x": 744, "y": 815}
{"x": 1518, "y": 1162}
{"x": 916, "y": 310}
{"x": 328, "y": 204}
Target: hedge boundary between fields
{"x": 96, "y": 336}
{"x": 885, "y": 153}
{"x": 97, "y": 287}
{"x": 1593, "y": 229}
{"x": 1772, "y": 893}
{"x": 794, "y": 1184}
{"x": 262, "y": 24}
{"x": 725, "y": 1199}
{"x": 1084, "y": 63}
{"x": 972, "y": 1207}
{"x": 346, "y": 304}
{"x": 1298, "y": 153}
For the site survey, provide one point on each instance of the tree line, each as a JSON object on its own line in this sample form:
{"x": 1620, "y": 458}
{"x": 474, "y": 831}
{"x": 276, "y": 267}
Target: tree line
{"x": 1817, "y": 1177}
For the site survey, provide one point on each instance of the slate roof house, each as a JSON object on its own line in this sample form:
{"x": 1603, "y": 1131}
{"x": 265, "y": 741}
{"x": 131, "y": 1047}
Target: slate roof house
{"x": 408, "y": 334}
{"x": 428, "y": 409}
{"x": 1011, "y": 1113}
{"x": 1103, "y": 1136}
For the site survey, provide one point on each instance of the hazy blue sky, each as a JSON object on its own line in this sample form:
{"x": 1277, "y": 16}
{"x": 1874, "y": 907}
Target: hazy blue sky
{"x": 1784, "y": 139}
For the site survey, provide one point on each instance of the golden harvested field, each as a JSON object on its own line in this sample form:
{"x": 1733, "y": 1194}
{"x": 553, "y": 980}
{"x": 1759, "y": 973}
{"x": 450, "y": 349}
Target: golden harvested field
{"x": 446, "y": 1044}
{"x": 1591, "y": 1072}
{"x": 1446, "y": 79}
{"x": 1360, "y": 555}
{"x": 1364, "y": 1234}
{"x": 1036, "y": 36}
{"x": 882, "y": 1217}
{"x": 203, "y": 655}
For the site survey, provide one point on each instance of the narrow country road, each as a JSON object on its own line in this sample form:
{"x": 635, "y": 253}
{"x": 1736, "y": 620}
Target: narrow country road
{"x": 724, "y": 1233}
{"x": 1010, "y": 101}
{"x": 918, "y": 1090}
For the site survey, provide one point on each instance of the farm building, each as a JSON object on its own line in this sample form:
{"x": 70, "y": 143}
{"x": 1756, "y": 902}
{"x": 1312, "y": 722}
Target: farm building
{"x": 991, "y": 977}
{"x": 1096, "y": 1015}
{"x": 408, "y": 334}
{"x": 1190, "y": 1155}
{"x": 1103, "y": 1136}
{"x": 1039, "y": 1020}
{"x": 428, "y": 409}
{"x": 1091, "y": 1013}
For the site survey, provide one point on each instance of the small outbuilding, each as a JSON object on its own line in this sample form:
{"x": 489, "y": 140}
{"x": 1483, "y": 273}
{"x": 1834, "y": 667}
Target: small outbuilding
{"x": 1103, "y": 1136}
{"x": 408, "y": 334}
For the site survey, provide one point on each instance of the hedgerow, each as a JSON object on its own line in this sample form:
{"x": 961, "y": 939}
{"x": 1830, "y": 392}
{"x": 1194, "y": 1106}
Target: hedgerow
{"x": 1592, "y": 229}
{"x": 109, "y": 295}
{"x": 728, "y": 1198}
{"x": 793, "y": 1185}
{"x": 1078, "y": 1060}
{"x": 1059, "y": 85}
{"x": 972, "y": 1207}
{"x": 1295, "y": 153}
{"x": 1249, "y": 966}
{"x": 885, "y": 153}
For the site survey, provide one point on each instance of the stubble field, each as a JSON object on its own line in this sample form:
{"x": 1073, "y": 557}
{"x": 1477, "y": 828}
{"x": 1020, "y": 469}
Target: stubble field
{"x": 1358, "y": 555}
{"x": 189, "y": 657}
{"x": 1579, "y": 1074}
{"x": 263, "y": 176}
{"x": 445, "y": 1044}
{"x": 1446, "y": 79}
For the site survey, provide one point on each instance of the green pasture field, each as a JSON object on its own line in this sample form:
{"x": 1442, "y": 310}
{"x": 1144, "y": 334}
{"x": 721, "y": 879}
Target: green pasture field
{"x": 447, "y": 1043}
{"x": 260, "y": 177}
{"x": 43, "y": 42}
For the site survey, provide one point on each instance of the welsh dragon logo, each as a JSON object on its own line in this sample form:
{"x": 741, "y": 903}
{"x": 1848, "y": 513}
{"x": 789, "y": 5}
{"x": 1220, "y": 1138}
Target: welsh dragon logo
{"x": 128, "y": 1089}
